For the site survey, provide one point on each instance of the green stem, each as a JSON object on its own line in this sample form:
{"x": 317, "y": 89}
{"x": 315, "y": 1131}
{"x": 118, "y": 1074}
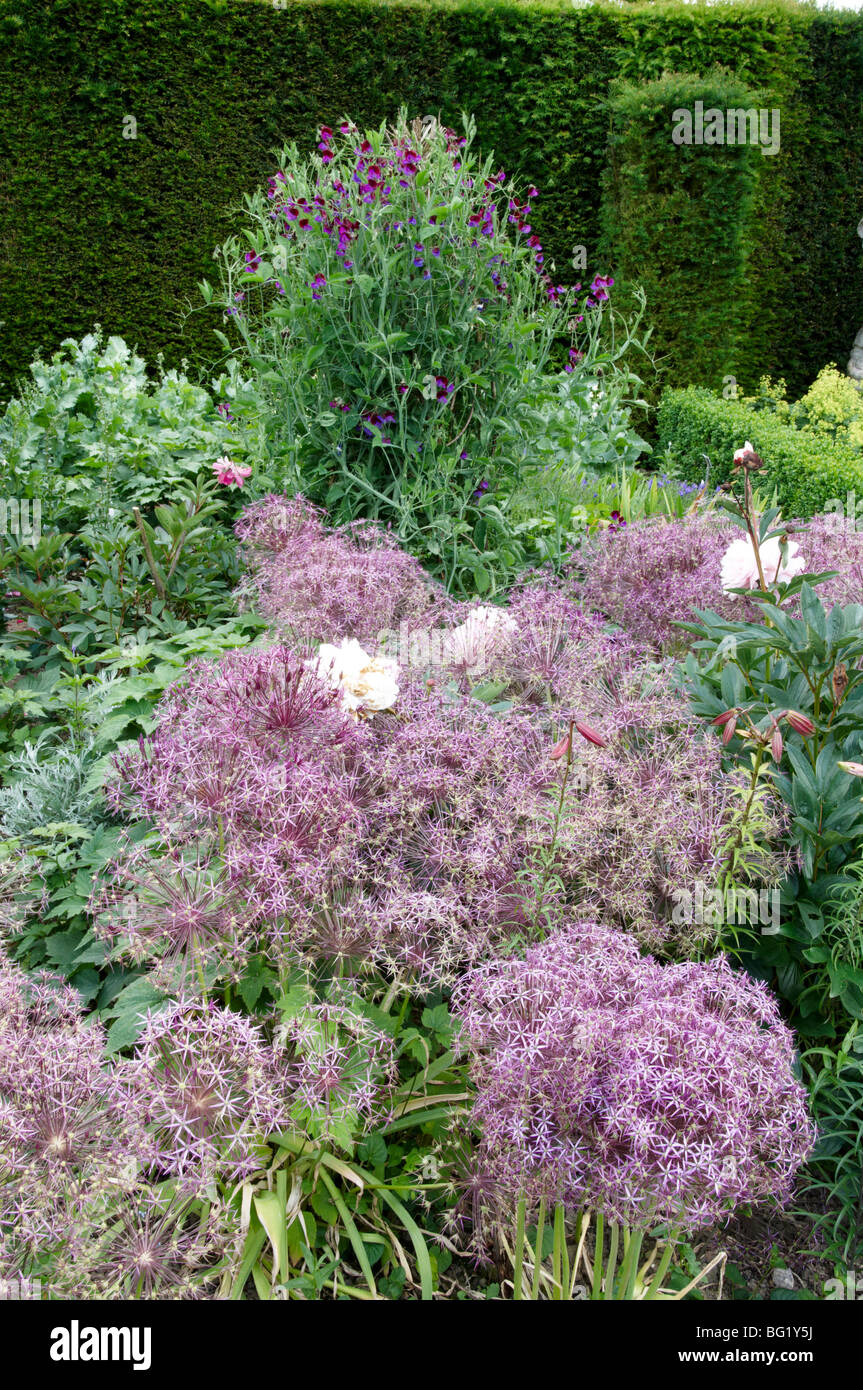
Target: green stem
{"x": 519, "y": 1250}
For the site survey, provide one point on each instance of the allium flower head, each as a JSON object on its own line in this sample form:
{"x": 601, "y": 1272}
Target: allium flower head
{"x": 173, "y": 909}
{"x": 647, "y": 1092}
{"x": 68, "y": 1137}
{"x": 649, "y": 576}
{"x": 210, "y": 1088}
{"x": 316, "y": 584}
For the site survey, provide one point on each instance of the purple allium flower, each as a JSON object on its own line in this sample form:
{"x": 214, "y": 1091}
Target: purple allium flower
{"x": 653, "y": 817}
{"x": 68, "y": 1137}
{"x": 315, "y": 583}
{"x": 828, "y": 544}
{"x": 177, "y": 909}
{"x": 650, "y": 1093}
{"x": 651, "y": 575}
{"x": 210, "y": 1089}
{"x": 158, "y": 1248}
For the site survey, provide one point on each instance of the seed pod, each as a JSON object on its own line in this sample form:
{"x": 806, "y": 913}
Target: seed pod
{"x": 839, "y": 681}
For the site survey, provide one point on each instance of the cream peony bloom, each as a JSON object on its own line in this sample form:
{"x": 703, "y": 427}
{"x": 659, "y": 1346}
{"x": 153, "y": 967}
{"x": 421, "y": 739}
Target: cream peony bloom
{"x": 366, "y": 683}
{"x": 740, "y": 567}
{"x": 469, "y": 647}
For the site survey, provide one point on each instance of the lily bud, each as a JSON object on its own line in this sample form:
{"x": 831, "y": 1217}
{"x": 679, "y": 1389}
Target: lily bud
{"x": 839, "y": 681}
{"x": 855, "y": 769}
{"x": 561, "y": 748}
{"x": 776, "y": 745}
{"x": 725, "y": 716}
{"x": 800, "y": 723}
{"x": 590, "y": 734}
{"x": 730, "y": 730}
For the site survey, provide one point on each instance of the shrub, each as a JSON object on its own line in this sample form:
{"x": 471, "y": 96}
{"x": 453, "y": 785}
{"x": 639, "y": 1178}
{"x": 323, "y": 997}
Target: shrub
{"x": 396, "y": 308}
{"x": 807, "y": 469}
{"x": 670, "y": 208}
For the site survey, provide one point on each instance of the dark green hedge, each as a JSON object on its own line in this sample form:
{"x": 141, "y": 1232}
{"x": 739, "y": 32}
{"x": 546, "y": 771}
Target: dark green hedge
{"x": 681, "y": 221}
{"x": 95, "y": 227}
{"x": 807, "y": 470}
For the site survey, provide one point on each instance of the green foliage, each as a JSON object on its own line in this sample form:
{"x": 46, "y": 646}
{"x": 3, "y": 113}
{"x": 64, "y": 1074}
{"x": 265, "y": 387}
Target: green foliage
{"x": 355, "y": 1216}
{"x": 809, "y": 665}
{"x": 62, "y": 724}
{"x": 832, "y": 406}
{"x": 836, "y": 1168}
{"x": 679, "y": 219}
{"x": 89, "y": 435}
{"x": 807, "y": 468}
{"x": 214, "y": 88}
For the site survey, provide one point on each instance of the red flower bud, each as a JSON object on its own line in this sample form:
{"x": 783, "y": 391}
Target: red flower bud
{"x": 730, "y": 729}
{"x": 561, "y": 748}
{"x": 776, "y": 746}
{"x": 800, "y": 722}
{"x": 725, "y": 716}
{"x": 590, "y": 734}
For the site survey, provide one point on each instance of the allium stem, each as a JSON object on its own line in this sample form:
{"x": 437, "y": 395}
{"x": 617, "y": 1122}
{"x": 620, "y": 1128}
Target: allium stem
{"x": 599, "y": 1246}
{"x": 611, "y": 1266}
{"x": 540, "y": 1231}
{"x": 518, "y": 1265}
{"x": 549, "y": 856}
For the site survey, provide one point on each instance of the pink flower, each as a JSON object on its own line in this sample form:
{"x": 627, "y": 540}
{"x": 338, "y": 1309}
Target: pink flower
{"x": 740, "y": 454}
{"x": 230, "y": 473}
{"x": 740, "y": 567}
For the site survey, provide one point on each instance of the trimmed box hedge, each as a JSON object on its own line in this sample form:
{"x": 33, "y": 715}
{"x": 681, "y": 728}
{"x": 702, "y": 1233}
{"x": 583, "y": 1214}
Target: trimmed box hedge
{"x": 807, "y": 469}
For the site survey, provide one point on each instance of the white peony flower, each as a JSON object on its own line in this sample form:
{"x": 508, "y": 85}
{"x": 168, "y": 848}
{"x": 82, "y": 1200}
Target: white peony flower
{"x": 741, "y": 453}
{"x": 366, "y": 683}
{"x": 469, "y": 647}
{"x": 740, "y": 567}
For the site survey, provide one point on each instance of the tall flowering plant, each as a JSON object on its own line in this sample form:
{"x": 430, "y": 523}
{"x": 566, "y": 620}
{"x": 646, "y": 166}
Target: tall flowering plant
{"x": 393, "y": 297}
{"x": 613, "y": 1087}
{"x": 786, "y": 696}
